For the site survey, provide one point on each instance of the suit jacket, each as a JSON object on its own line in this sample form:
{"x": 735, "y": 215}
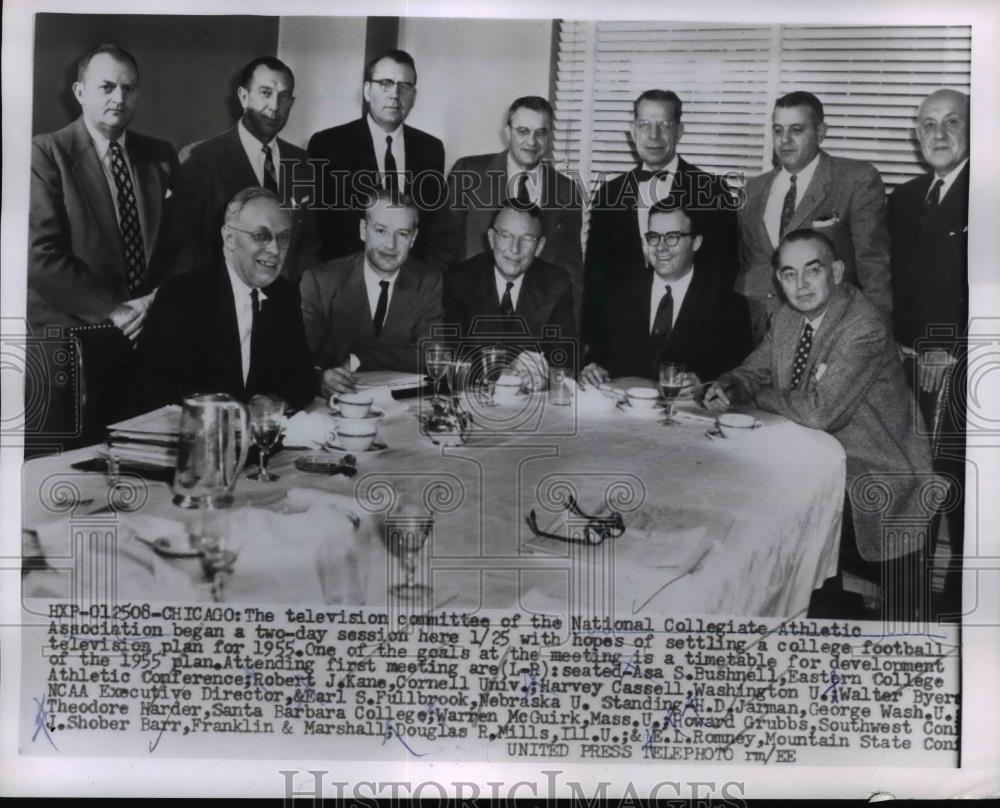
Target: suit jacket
{"x": 710, "y": 334}
{"x": 459, "y": 229}
{"x": 338, "y": 316}
{"x": 190, "y": 343}
{"x": 930, "y": 261}
{"x": 862, "y": 399}
{"x": 546, "y": 299}
{"x": 348, "y": 170}
{"x": 846, "y": 202}
{"x": 76, "y": 262}
{"x": 212, "y": 171}
{"x": 614, "y": 243}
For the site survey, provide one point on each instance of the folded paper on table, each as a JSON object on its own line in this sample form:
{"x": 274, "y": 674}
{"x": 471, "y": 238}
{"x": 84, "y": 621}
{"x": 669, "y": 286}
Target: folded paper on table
{"x": 394, "y": 380}
{"x": 164, "y": 421}
{"x": 309, "y": 430}
{"x": 592, "y": 400}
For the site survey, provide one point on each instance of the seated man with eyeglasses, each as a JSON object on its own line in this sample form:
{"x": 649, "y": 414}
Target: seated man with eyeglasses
{"x": 676, "y": 311}
{"x": 235, "y": 328}
{"x": 514, "y": 293}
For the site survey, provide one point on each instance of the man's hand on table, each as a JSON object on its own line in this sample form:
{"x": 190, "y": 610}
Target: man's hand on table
{"x": 717, "y": 397}
{"x": 691, "y": 385}
{"x": 338, "y": 380}
{"x": 594, "y": 375}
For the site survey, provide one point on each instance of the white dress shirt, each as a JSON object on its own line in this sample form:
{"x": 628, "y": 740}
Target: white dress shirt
{"x": 374, "y": 290}
{"x": 255, "y": 153}
{"x": 102, "y": 147}
{"x": 244, "y": 315}
{"x": 398, "y": 149}
{"x": 502, "y": 281}
{"x": 949, "y": 178}
{"x": 678, "y": 290}
{"x": 649, "y": 193}
{"x": 776, "y": 199}
{"x": 514, "y": 172}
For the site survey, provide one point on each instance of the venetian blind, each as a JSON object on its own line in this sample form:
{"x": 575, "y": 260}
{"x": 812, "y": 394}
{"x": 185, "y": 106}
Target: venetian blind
{"x": 870, "y": 80}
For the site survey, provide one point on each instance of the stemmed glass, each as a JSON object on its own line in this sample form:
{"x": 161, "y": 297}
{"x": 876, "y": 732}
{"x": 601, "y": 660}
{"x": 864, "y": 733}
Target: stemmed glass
{"x": 406, "y": 532}
{"x": 492, "y": 360}
{"x": 267, "y": 417}
{"x": 672, "y": 375}
{"x": 219, "y": 544}
{"x": 437, "y": 361}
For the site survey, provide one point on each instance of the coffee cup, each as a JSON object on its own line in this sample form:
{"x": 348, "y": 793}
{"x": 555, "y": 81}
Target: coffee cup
{"x": 736, "y": 425}
{"x": 642, "y": 398}
{"x": 356, "y": 436}
{"x": 507, "y": 387}
{"x": 352, "y": 405}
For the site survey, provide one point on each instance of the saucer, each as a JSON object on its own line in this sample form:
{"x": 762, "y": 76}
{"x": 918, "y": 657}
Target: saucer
{"x": 373, "y": 414}
{"x": 377, "y": 446}
{"x": 715, "y": 434}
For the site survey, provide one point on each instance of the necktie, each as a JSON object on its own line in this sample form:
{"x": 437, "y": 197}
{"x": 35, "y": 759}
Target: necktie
{"x": 270, "y": 176}
{"x": 787, "y": 208}
{"x": 934, "y": 196}
{"x": 523, "y": 198}
{"x": 380, "y": 307}
{"x": 391, "y": 178}
{"x": 664, "y": 319}
{"x": 506, "y": 302}
{"x": 802, "y": 355}
{"x": 255, "y": 331}
{"x": 128, "y": 220}
{"x": 644, "y": 176}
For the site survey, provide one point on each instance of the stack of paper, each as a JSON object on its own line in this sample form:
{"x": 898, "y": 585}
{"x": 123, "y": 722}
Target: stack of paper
{"x": 149, "y": 439}
{"x": 394, "y": 380}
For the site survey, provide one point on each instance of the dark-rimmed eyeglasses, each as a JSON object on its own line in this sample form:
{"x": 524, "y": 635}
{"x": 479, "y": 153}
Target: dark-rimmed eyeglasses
{"x": 654, "y": 239}
{"x": 387, "y": 85}
{"x": 262, "y": 236}
{"x": 506, "y": 239}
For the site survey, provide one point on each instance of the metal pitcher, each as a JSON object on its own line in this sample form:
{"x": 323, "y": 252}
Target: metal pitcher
{"x": 212, "y": 448}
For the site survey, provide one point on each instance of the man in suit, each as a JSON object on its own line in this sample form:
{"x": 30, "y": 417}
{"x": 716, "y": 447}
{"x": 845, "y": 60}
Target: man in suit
{"x": 829, "y": 362}
{"x": 616, "y": 250}
{"x": 479, "y": 185}
{"x": 235, "y": 327}
{"x": 841, "y": 198}
{"x": 249, "y": 153}
{"x": 519, "y": 296}
{"x": 96, "y": 228}
{"x": 678, "y": 312}
{"x": 370, "y": 310}
{"x": 928, "y": 227}
{"x": 376, "y": 151}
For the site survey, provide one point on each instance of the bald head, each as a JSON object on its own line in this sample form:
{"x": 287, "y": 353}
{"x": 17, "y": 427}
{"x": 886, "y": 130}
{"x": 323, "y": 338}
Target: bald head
{"x": 943, "y": 130}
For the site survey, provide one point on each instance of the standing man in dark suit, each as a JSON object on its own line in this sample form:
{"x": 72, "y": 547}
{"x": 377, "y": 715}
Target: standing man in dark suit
{"x": 829, "y": 362}
{"x": 521, "y": 296}
{"x": 928, "y": 225}
{"x": 369, "y": 311}
{"x": 376, "y": 151}
{"x": 96, "y": 224}
{"x": 479, "y": 185}
{"x": 250, "y": 153}
{"x": 678, "y": 312}
{"x": 616, "y": 250}
{"x": 235, "y": 327}
{"x": 841, "y": 198}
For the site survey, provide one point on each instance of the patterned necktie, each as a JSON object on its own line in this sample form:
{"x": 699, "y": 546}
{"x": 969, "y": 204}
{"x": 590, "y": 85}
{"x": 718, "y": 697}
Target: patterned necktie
{"x": 270, "y": 175}
{"x": 802, "y": 355}
{"x": 787, "y": 208}
{"x": 128, "y": 220}
{"x": 664, "y": 319}
{"x": 523, "y": 198}
{"x": 391, "y": 177}
{"x": 506, "y": 302}
{"x": 380, "y": 308}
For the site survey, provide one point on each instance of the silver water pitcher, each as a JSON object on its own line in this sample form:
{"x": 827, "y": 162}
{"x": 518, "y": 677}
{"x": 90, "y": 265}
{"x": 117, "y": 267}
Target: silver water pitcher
{"x": 212, "y": 448}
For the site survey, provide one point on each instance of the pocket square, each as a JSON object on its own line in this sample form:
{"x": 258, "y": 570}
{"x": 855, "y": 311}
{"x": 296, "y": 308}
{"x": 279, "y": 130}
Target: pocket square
{"x": 820, "y": 371}
{"x": 826, "y": 221}
{"x": 169, "y": 194}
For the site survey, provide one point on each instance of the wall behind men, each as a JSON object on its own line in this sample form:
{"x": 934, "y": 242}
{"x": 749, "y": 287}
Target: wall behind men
{"x": 187, "y": 68}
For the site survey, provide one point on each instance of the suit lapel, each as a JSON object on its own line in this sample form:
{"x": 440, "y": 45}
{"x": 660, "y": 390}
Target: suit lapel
{"x": 534, "y": 303}
{"x": 757, "y": 207}
{"x": 234, "y": 167}
{"x": 230, "y": 331}
{"x": 402, "y": 307}
{"x": 90, "y": 175}
{"x": 822, "y": 339}
{"x": 149, "y": 192}
{"x": 814, "y": 194}
{"x": 787, "y": 330}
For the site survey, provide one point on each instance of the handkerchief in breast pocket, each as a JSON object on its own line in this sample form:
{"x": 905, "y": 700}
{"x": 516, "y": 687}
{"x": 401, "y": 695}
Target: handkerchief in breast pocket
{"x": 826, "y": 221}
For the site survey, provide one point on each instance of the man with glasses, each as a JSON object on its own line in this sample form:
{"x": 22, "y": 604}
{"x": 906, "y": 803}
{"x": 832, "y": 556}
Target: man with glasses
{"x": 235, "y": 327}
{"x": 369, "y": 311}
{"x": 678, "y": 311}
{"x": 516, "y": 294}
{"x": 479, "y": 185}
{"x": 843, "y": 199}
{"x": 377, "y": 151}
{"x": 616, "y": 250}
{"x": 829, "y": 362}
{"x": 929, "y": 231}
{"x": 249, "y": 153}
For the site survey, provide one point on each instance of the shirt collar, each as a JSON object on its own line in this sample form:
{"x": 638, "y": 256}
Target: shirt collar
{"x": 379, "y": 134}
{"x": 241, "y": 292}
{"x": 677, "y": 287}
{"x": 502, "y": 281}
{"x": 950, "y": 177}
{"x": 513, "y": 169}
{"x": 373, "y": 277}
{"x": 101, "y": 143}
{"x": 671, "y": 166}
{"x": 250, "y": 143}
{"x": 816, "y": 322}
{"x": 803, "y": 177}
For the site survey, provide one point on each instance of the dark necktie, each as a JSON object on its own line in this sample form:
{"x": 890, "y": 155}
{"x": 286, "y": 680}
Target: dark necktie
{"x": 128, "y": 220}
{"x": 523, "y": 198}
{"x": 270, "y": 175}
{"x": 934, "y": 196}
{"x": 644, "y": 176}
{"x": 255, "y": 331}
{"x": 391, "y": 178}
{"x": 787, "y": 208}
{"x": 664, "y": 320}
{"x": 802, "y": 355}
{"x": 506, "y": 302}
{"x": 380, "y": 307}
